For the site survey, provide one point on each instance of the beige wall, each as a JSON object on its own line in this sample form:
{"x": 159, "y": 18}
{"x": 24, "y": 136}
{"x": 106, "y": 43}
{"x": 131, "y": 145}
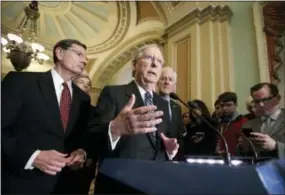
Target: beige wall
{"x": 122, "y": 76}
{"x": 198, "y": 49}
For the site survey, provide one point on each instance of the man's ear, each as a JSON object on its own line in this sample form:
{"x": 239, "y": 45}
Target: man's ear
{"x": 59, "y": 53}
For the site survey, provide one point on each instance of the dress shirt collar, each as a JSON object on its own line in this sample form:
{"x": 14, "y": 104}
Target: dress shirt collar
{"x": 143, "y": 91}
{"x": 274, "y": 116}
{"x": 58, "y": 81}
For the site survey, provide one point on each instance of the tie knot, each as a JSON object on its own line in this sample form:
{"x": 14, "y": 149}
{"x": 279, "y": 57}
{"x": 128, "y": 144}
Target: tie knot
{"x": 64, "y": 84}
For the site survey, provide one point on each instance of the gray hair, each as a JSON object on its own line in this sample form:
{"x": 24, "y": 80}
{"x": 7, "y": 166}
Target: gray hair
{"x": 172, "y": 70}
{"x": 140, "y": 51}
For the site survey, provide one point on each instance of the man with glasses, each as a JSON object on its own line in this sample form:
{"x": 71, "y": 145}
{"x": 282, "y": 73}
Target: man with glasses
{"x": 268, "y": 127}
{"x": 43, "y": 117}
{"x": 134, "y": 117}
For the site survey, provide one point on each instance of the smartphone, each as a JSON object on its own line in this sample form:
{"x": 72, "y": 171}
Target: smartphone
{"x": 247, "y": 131}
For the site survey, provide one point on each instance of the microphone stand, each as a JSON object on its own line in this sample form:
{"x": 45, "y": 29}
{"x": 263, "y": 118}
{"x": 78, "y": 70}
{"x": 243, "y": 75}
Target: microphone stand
{"x": 227, "y": 157}
{"x": 255, "y": 156}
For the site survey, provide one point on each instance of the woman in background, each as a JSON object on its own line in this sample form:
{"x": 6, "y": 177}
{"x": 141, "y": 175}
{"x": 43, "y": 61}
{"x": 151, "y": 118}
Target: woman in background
{"x": 186, "y": 118}
{"x": 87, "y": 173}
{"x": 200, "y": 138}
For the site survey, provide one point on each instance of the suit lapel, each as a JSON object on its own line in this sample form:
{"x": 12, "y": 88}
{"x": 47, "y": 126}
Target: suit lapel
{"x": 173, "y": 114}
{"x": 276, "y": 125}
{"x": 133, "y": 89}
{"x": 158, "y": 101}
{"x": 75, "y": 104}
{"x": 47, "y": 88}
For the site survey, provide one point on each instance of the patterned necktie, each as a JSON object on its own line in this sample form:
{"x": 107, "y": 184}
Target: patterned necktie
{"x": 148, "y": 101}
{"x": 65, "y": 102}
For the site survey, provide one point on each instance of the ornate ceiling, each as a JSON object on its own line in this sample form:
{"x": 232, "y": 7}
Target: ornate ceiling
{"x": 100, "y": 25}
{"x": 109, "y": 29}
{"x": 112, "y": 31}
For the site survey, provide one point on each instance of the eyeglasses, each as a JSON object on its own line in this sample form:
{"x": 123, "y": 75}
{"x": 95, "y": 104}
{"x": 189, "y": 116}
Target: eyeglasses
{"x": 263, "y": 100}
{"x": 151, "y": 59}
{"x": 80, "y": 54}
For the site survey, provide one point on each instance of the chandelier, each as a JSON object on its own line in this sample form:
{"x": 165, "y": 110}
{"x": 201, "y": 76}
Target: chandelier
{"x": 19, "y": 51}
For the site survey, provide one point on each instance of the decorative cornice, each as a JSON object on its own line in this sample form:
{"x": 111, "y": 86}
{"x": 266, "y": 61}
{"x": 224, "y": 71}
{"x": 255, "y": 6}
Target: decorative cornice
{"x": 198, "y": 15}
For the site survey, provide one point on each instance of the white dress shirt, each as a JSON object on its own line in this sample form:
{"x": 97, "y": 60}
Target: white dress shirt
{"x": 57, "y": 81}
{"x": 115, "y": 141}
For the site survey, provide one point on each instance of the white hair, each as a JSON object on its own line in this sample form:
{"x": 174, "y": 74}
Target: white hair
{"x": 173, "y": 72}
{"x": 145, "y": 47}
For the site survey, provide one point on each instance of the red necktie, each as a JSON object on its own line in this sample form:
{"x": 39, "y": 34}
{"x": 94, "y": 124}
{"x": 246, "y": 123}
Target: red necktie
{"x": 65, "y": 102}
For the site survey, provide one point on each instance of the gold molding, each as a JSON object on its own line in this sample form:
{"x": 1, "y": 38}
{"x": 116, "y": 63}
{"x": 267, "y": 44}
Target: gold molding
{"x": 121, "y": 55}
{"x": 261, "y": 42}
{"x": 199, "y": 16}
{"x": 119, "y": 62}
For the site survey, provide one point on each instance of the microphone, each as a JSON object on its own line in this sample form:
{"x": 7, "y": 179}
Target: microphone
{"x": 255, "y": 156}
{"x": 192, "y": 108}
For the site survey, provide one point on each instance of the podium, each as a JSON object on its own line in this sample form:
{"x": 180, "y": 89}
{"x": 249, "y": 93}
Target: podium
{"x": 123, "y": 176}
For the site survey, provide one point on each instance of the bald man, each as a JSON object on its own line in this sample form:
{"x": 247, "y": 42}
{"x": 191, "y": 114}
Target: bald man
{"x": 167, "y": 85}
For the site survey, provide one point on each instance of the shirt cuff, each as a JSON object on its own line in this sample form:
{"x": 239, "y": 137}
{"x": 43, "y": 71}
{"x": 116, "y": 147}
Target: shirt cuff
{"x": 31, "y": 160}
{"x": 112, "y": 140}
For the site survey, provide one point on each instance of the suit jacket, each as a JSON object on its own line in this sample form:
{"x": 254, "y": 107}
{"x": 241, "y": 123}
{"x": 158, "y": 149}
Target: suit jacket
{"x": 277, "y": 132}
{"x": 177, "y": 128}
{"x": 142, "y": 146}
{"x": 30, "y": 121}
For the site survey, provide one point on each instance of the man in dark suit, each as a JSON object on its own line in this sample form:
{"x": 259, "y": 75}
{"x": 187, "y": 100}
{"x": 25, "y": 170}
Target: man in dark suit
{"x": 43, "y": 117}
{"x": 135, "y": 117}
{"x": 167, "y": 85}
{"x": 268, "y": 134}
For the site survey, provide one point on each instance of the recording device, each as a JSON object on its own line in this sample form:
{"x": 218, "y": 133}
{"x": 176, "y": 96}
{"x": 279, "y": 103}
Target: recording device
{"x": 246, "y": 134}
{"x": 195, "y": 110}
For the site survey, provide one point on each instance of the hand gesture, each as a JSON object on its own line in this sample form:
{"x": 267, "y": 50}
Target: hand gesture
{"x": 264, "y": 141}
{"x": 170, "y": 144}
{"x": 76, "y": 159}
{"x": 50, "y": 161}
{"x": 135, "y": 121}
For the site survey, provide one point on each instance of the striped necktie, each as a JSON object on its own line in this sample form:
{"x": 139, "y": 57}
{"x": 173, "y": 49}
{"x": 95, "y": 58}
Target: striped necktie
{"x": 148, "y": 101}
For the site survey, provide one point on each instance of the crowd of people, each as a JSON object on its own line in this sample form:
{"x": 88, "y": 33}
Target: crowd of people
{"x": 53, "y": 139}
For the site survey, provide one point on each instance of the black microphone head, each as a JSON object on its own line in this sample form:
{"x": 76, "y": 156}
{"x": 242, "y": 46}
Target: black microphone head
{"x": 174, "y": 96}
